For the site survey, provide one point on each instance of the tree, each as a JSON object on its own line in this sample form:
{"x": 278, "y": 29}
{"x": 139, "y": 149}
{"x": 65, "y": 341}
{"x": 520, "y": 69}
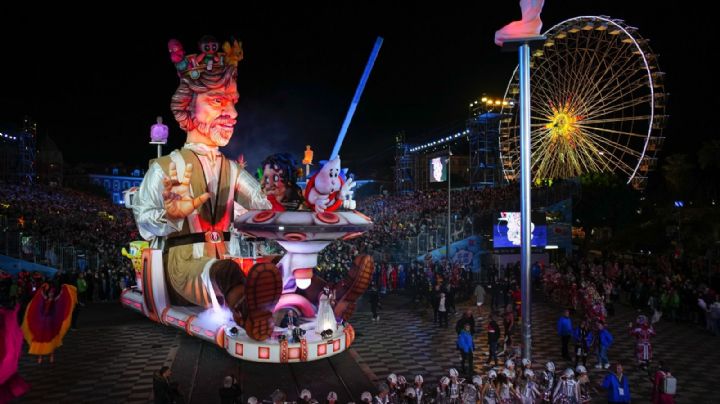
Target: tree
{"x": 680, "y": 175}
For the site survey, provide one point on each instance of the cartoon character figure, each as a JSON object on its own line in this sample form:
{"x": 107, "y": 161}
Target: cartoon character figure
{"x": 308, "y": 158}
{"x": 177, "y": 55}
{"x": 278, "y": 181}
{"x": 208, "y": 51}
{"x": 327, "y": 190}
{"x": 529, "y": 25}
{"x": 233, "y": 52}
{"x": 135, "y": 254}
{"x": 159, "y": 131}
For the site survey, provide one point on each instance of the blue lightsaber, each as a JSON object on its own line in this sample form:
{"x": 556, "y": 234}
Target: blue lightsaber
{"x": 356, "y": 98}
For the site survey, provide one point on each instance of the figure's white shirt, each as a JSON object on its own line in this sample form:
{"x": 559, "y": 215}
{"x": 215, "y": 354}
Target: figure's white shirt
{"x": 148, "y": 206}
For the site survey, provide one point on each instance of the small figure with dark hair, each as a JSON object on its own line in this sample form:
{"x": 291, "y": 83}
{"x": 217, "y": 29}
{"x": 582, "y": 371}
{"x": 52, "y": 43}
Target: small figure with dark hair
{"x": 279, "y": 182}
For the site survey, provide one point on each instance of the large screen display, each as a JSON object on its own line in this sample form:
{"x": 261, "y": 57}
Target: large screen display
{"x": 438, "y": 169}
{"x": 506, "y": 230}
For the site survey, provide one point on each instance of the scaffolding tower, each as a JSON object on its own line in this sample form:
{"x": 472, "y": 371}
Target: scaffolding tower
{"x": 404, "y": 169}
{"x": 27, "y": 152}
{"x": 483, "y": 134}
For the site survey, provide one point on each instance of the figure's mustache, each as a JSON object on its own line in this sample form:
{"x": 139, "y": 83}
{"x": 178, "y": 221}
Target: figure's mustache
{"x": 224, "y": 122}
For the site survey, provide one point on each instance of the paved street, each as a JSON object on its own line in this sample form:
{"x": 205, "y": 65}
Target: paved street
{"x": 406, "y": 342}
{"x": 112, "y": 356}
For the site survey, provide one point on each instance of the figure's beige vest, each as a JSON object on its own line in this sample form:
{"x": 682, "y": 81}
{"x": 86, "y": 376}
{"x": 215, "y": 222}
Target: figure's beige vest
{"x": 183, "y": 271}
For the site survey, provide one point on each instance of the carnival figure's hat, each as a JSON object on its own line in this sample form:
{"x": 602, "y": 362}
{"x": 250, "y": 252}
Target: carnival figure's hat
{"x": 210, "y": 58}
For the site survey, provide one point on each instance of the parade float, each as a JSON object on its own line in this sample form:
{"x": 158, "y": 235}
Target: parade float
{"x": 191, "y": 275}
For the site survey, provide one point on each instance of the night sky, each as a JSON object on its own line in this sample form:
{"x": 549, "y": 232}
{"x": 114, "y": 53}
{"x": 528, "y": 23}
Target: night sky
{"x": 95, "y": 85}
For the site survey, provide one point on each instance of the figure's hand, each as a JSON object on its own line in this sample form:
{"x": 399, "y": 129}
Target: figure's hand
{"x": 176, "y": 194}
{"x": 346, "y": 192}
{"x": 349, "y": 205}
{"x": 321, "y": 204}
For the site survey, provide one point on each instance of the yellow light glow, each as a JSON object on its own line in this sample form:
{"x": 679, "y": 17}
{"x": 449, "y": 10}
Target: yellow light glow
{"x": 563, "y": 125}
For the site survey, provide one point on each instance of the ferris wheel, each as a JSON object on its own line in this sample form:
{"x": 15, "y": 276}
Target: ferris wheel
{"x": 597, "y": 104}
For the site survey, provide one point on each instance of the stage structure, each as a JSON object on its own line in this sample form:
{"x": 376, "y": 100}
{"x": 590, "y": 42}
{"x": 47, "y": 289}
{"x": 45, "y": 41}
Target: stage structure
{"x": 483, "y": 132}
{"x": 18, "y": 154}
{"x": 476, "y": 156}
{"x": 404, "y": 166}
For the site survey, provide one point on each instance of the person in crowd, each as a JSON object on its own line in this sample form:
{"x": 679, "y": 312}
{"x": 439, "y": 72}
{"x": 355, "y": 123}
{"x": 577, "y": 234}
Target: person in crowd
{"x": 565, "y": 330}
{"x": 509, "y": 327}
{"x": 583, "y": 338}
{"x": 566, "y": 390}
{"x": 420, "y": 395}
{"x": 230, "y": 392}
{"x": 660, "y": 393}
{"x": 617, "y": 385}
{"x": 442, "y": 311}
{"x": 602, "y": 340}
{"x": 442, "y": 392}
{"x": 466, "y": 319}
{"x": 489, "y": 391}
{"x": 585, "y": 388}
{"x": 493, "y": 336}
{"x": 642, "y": 331}
{"x": 165, "y": 391}
{"x": 547, "y": 382}
{"x": 305, "y": 397}
{"x": 526, "y": 390}
{"x": 374, "y": 301}
{"x": 479, "y": 294}
{"x": 48, "y": 318}
{"x": 383, "y": 395}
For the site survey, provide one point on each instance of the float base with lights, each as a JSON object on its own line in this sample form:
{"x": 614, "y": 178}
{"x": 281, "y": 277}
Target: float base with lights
{"x": 303, "y": 234}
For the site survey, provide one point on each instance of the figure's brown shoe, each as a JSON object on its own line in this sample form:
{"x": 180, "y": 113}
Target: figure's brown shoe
{"x": 263, "y": 287}
{"x": 353, "y": 286}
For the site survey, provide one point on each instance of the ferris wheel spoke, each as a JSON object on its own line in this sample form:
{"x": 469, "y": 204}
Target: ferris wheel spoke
{"x": 594, "y": 94}
{"x": 614, "y": 120}
{"x": 626, "y": 84}
{"x": 621, "y": 90}
{"x": 614, "y": 146}
{"x": 541, "y": 106}
{"x": 600, "y": 71}
{"x": 618, "y": 92}
{"x": 613, "y": 131}
{"x": 545, "y": 88}
{"x": 611, "y": 143}
{"x": 612, "y": 110}
{"x": 589, "y": 140}
{"x": 592, "y": 153}
{"x": 609, "y": 158}
{"x": 619, "y": 107}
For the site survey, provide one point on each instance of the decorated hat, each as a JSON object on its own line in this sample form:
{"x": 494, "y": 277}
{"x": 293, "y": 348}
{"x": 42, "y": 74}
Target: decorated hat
{"x": 210, "y": 58}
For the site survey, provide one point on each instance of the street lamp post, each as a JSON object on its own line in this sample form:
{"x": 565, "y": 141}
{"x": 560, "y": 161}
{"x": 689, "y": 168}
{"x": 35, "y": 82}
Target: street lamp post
{"x": 447, "y": 241}
{"x": 523, "y": 47}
